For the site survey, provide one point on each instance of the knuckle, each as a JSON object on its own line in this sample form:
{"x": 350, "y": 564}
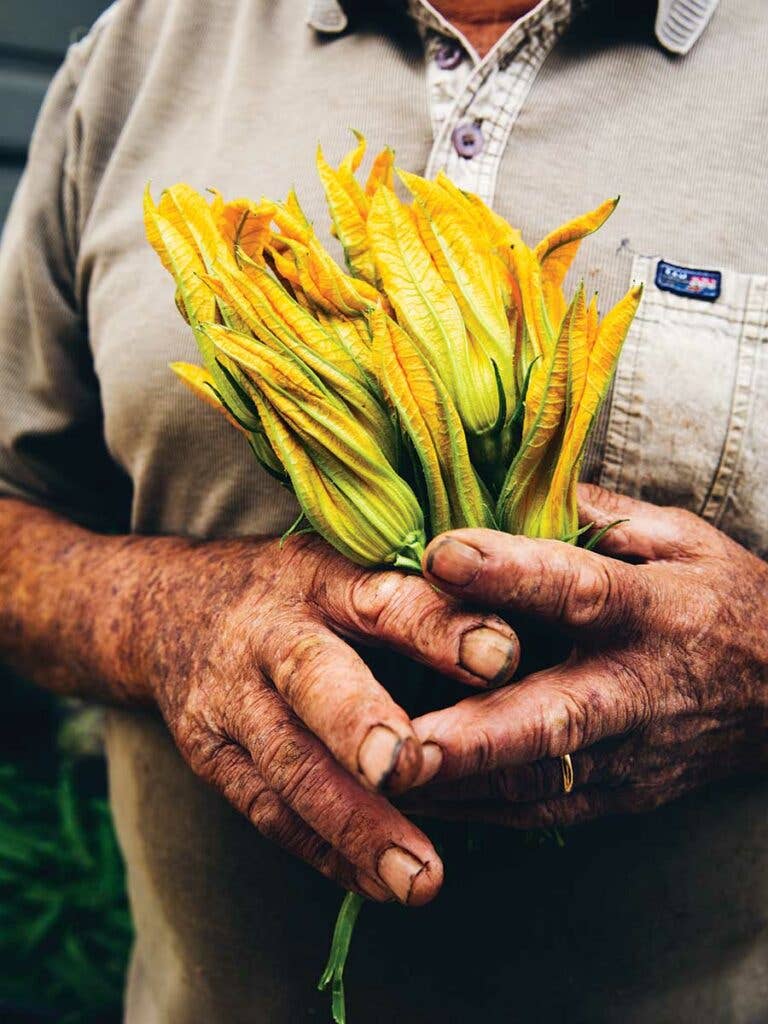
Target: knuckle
{"x": 388, "y": 604}
{"x": 305, "y": 664}
{"x": 213, "y": 758}
{"x": 569, "y": 726}
{"x": 536, "y": 731}
{"x": 635, "y": 711}
{"x": 287, "y": 762}
{"x": 262, "y": 809}
{"x": 587, "y": 594}
{"x": 483, "y": 751}
{"x": 475, "y": 751}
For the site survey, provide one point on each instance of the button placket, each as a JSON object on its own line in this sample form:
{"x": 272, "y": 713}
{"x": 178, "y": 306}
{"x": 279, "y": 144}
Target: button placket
{"x": 471, "y": 133}
{"x": 445, "y": 82}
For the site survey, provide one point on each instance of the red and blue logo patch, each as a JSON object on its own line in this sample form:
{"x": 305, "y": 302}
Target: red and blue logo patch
{"x": 693, "y": 284}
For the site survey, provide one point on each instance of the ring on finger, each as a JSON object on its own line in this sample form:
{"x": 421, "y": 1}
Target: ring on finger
{"x": 566, "y": 765}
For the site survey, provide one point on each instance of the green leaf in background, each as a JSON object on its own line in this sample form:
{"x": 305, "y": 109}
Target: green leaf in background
{"x": 65, "y": 931}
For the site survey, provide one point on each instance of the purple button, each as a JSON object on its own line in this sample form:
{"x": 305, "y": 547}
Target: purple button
{"x": 449, "y": 55}
{"x": 468, "y": 139}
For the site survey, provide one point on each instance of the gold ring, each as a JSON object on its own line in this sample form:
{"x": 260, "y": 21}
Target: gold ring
{"x": 566, "y": 765}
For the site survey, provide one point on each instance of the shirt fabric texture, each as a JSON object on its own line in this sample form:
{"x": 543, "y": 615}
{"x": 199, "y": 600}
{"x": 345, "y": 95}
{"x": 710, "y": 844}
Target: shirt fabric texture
{"x": 658, "y": 918}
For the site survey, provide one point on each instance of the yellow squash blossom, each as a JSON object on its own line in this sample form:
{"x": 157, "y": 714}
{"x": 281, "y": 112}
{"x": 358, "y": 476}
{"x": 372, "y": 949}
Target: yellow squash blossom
{"x": 347, "y": 488}
{"x": 433, "y": 426}
{"x": 447, "y": 362}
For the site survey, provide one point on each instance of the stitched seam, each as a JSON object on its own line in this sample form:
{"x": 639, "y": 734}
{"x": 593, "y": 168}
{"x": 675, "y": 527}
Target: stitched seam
{"x": 744, "y": 398}
{"x": 719, "y": 484}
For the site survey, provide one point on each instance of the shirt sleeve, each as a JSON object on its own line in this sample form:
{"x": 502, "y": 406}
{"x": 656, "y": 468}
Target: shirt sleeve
{"x": 52, "y": 447}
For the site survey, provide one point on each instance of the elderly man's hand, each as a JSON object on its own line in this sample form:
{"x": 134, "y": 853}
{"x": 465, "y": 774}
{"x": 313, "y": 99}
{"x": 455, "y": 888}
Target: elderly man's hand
{"x": 666, "y": 687}
{"x": 268, "y": 702}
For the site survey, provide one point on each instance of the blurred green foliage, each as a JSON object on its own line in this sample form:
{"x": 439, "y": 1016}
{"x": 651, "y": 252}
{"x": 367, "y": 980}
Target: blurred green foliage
{"x": 65, "y": 931}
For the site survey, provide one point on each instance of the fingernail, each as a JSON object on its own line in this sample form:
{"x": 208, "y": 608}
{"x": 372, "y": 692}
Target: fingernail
{"x": 399, "y": 869}
{"x": 454, "y": 562}
{"x": 387, "y": 761}
{"x": 487, "y": 653}
{"x": 431, "y": 759}
{"x": 373, "y": 889}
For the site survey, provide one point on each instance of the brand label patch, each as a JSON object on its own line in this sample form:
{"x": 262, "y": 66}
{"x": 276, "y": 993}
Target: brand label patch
{"x": 693, "y": 284}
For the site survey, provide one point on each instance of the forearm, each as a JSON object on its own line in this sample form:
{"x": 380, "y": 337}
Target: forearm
{"x": 92, "y": 615}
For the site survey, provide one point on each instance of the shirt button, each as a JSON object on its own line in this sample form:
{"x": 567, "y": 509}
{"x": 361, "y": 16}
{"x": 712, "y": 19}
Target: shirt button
{"x": 468, "y": 139}
{"x": 449, "y": 55}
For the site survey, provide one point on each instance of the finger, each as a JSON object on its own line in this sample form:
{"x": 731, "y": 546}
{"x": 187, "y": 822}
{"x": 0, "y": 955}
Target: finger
{"x": 556, "y": 582}
{"x": 517, "y": 784}
{"x": 363, "y": 827}
{"x": 408, "y": 615}
{"x": 232, "y": 772}
{"x": 546, "y": 715}
{"x": 573, "y": 809}
{"x": 651, "y": 533}
{"x": 333, "y": 691}
{"x": 609, "y": 764}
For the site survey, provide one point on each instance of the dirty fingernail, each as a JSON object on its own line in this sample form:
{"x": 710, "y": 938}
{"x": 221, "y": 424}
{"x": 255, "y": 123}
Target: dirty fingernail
{"x": 405, "y": 767}
{"x": 454, "y": 562}
{"x": 431, "y": 759}
{"x": 399, "y": 869}
{"x": 375, "y": 890}
{"x": 387, "y": 761}
{"x": 489, "y": 654}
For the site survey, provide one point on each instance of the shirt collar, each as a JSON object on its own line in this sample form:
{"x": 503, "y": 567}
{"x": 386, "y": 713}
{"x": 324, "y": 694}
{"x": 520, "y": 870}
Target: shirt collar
{"x": 679, "y": 23}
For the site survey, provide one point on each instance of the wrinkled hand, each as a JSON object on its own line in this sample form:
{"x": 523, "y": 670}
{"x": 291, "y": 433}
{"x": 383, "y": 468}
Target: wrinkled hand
{"x": 267, "y": 701}
{"x": 666, "y": 687}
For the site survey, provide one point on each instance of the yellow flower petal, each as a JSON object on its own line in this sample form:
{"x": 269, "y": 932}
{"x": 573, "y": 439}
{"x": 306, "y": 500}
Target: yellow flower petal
{"x": 425, "y": 306}
{"x": 468, "y": 268}
{"x": 601, "y": 363}
{"x": 431, "y": 421}
{"x": 382, "y": 172}
{"x": 348, "y": 218}
{"x": 521, "y": 506}
{"x": 245, "y": 225}
{"x": 556, "y": 249}
{"x": 180, "y": 257}
{"x": 372, "y": 503}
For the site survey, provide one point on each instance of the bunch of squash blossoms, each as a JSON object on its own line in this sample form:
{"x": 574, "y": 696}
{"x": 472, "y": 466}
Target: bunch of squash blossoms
{"x": 444, "y": 381}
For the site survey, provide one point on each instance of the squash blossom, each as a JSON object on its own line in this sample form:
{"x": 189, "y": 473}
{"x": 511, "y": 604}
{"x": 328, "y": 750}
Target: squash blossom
{"x": 348, "y": 491}
{"x": 443, "y": 379}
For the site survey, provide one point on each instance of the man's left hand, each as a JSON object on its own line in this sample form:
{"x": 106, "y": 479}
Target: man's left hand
{"x": 666, "y": 687}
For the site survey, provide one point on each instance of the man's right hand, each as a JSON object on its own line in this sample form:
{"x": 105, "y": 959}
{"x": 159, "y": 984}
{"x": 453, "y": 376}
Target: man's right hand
{"x": 241, "y": 643}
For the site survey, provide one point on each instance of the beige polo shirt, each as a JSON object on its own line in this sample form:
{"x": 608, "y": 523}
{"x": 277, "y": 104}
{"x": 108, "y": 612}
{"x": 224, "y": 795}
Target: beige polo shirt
{"x": 659, "y": 918}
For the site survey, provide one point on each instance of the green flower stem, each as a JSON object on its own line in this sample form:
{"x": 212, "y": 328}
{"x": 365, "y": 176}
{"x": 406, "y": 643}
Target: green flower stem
{"x": 333, "y": 974}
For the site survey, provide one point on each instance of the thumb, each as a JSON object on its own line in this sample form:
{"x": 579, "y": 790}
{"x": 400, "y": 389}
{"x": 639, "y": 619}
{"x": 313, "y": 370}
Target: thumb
{"x": 649, "y": 533}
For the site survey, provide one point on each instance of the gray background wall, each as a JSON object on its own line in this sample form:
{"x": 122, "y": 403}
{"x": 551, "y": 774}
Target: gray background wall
{"x": 34, "y": 35}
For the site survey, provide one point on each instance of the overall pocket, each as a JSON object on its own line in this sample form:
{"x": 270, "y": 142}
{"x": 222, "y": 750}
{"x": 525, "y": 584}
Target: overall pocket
{"x": 688, "y": 423}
